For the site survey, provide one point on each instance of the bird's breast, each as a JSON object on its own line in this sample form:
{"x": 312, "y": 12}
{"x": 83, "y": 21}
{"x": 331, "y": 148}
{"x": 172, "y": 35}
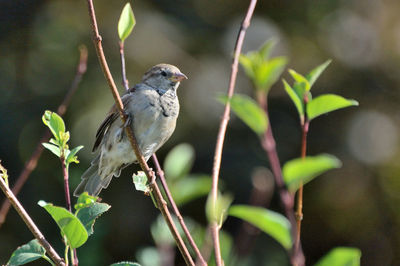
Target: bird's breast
{"x": 154, "y": 121}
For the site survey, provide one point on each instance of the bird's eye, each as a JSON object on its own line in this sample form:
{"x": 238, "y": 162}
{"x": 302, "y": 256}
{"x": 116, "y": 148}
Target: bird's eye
{"x": 164, "y": 73}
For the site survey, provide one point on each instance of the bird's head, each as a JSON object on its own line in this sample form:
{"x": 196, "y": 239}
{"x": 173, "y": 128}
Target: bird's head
{"x": 163, "y": 76}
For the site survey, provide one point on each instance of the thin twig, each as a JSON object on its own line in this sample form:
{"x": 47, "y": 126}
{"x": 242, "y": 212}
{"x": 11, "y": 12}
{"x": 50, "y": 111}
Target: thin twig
{"x": 123, "y": 68}
{"x": 217, "y": 245}
{"x": 162, "y": 205}
{"x": 160, "y": 175}
{"x": 80, "y": 71}
{"x": 29, "y": 222}
{"x": 269, "y": 145}
{"x": 66, "y": 183}
{"x": 74, "y": 257}
{"x": 287, "y": 199}
{"x": 74, "y": 254}
{"x": 30, "y": 165}
{"x": 224, "y": 123}
{"x": 299, "y": 208}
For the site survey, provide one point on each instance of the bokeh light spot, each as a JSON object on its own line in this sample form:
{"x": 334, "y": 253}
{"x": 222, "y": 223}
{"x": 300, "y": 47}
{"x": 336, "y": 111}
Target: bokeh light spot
{"x": 372, "y": 137}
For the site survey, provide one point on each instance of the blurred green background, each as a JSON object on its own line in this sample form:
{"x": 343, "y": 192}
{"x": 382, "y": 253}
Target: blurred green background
{"x": 357, "y": 205}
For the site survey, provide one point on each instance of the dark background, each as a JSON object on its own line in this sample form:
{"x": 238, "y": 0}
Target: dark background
{"x": 356, "y": 205}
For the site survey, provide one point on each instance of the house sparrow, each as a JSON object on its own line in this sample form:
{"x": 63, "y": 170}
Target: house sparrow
{"x": 152, "y": 107}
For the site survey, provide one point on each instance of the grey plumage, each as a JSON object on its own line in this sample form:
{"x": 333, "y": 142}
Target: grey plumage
{"x": 153, "y": 109}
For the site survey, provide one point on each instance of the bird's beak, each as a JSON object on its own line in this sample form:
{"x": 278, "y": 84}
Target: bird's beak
{"x": 177, "y": 77}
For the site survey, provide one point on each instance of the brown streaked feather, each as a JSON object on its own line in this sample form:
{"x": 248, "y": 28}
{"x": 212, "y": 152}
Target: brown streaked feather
{"x": 103, "y": 129}
{"x": 111, "y": 117}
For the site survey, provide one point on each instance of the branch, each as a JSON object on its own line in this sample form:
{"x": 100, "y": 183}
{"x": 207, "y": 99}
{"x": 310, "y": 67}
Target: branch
{"x": 269, "y": 145}
{"x": 30, "y": 165}
{"x": 224, "y": 123}
{"x": 162, "y": 205}
{"x": 66, "y": 183}
{"x": 123, "y": 68}
{"x": 160, "y": 174}
{"x": 299, "y": 208}
{"x": 287, "y": 200}
{"x": 28, "y": 221}
{"x": 80, "y": 71}
{"x": 64, "y": 166}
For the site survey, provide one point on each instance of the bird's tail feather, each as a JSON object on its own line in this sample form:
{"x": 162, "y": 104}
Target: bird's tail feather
{"x": 92, "y": 182}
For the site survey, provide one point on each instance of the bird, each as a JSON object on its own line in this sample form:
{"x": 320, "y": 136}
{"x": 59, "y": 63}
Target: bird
{"x": 152, "y": 108}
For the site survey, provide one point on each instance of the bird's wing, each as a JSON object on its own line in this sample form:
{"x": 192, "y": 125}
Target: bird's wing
{"x": 111, "y": 117}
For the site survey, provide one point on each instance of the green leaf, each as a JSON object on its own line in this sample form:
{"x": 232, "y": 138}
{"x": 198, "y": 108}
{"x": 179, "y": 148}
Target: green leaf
{"x": 88, "y": 215}
{"x": 248, "y": 111}
{"x": 262, "y": 71}
{"x": 219, "y": 213}
{"x": 327, "y": 103}
{"x": 148, "y": 256}
{"x": 190, "y": 188}
{"x": 303, "y": 170}
{"x": 295, "y": 98}
{"x": 54, "y": 149}
{"x": 3, "y": 174}
{"x": 46, "y": 117}
{"x": 269, "y": 72}
{"x": 126, "y": 22}
{"x": 64, "y": 138}
{"x": 316, "y": 72}
{"x": 300, "y": 89}
{"x": 272, "y": 223}
{"x": 140, "y": 181}
{"x": 125, "y": 263}
{"x": 341, "y": 256}
{"x": 266, "y": 48}
{"x": 179, "y": 161}
{"x": 27, "y": 253}
{"x": 226, "y": 243}
{"x": 300, "y": 79}
{"x": 247, "y": 65}
{"x": 55, "y": 123}
{"x": 161, "y": 233}
{"x": 71, "y": 158}
{"x": 70, "y": 225}
{"x": 85, "y": 200}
